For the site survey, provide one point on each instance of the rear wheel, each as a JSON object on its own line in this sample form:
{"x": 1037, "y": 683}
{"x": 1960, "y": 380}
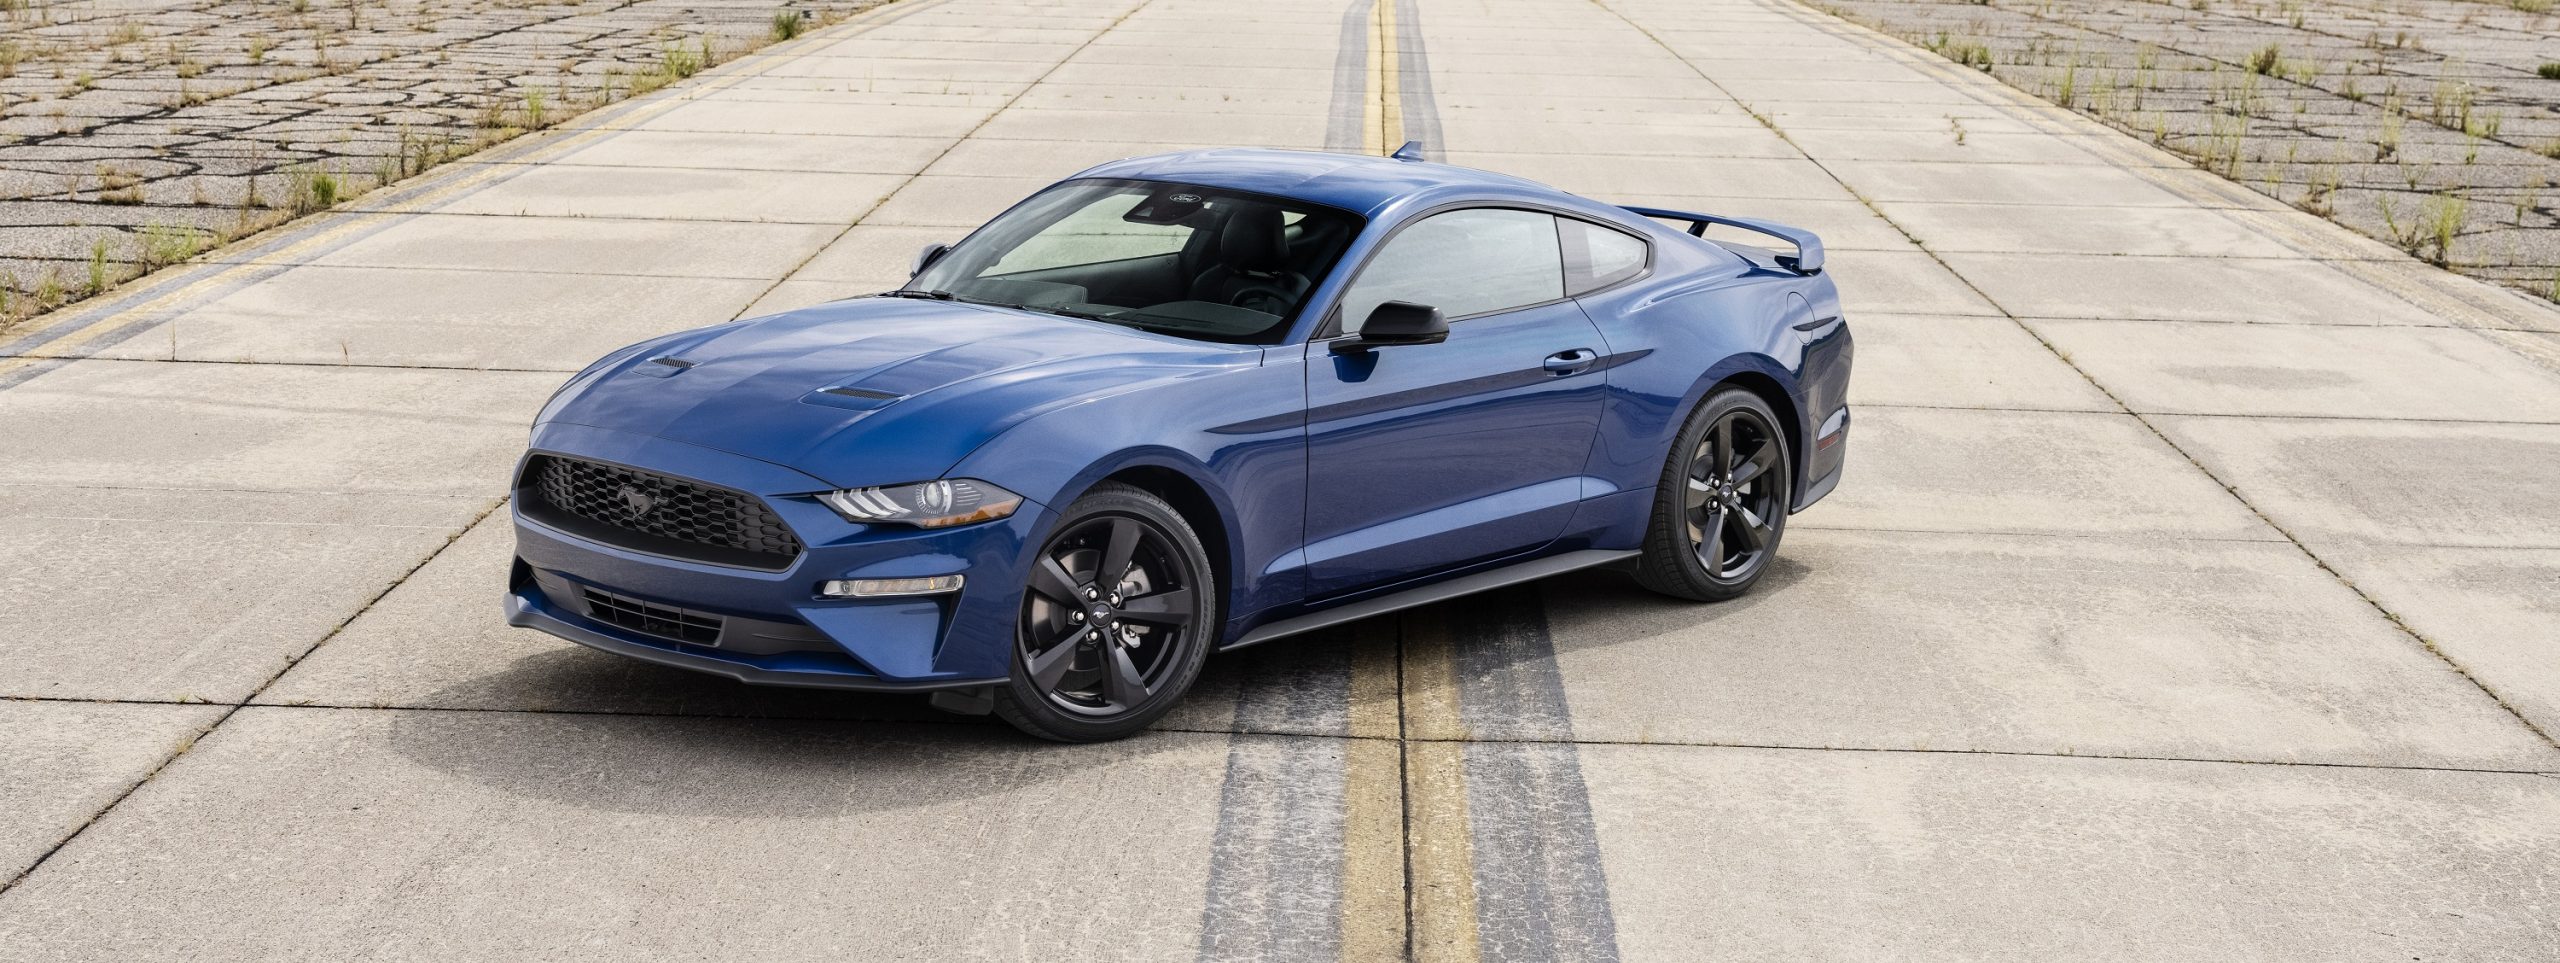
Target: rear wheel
{"x": 1116, "y": 620}
{"x": 1722, "y": 502}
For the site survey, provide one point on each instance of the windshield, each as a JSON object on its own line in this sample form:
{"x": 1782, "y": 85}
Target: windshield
{"x": 1192, "y": 261}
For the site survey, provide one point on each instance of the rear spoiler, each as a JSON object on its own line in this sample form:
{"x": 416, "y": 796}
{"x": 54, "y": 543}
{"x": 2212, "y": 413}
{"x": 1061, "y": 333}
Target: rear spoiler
{"x": 1808, "y": 257}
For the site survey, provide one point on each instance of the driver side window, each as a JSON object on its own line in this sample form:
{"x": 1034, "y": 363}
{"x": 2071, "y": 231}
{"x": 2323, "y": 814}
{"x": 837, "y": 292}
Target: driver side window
{"x": 1466, "y": 262}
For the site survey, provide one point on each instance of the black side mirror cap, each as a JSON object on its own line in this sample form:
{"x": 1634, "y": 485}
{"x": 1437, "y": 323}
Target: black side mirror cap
{"x": 1395, "y": 323}
{"x": 926, "y": 257}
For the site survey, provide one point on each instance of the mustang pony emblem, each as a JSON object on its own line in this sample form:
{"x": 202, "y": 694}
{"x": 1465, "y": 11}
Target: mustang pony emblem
{"x": 637, "y": 501}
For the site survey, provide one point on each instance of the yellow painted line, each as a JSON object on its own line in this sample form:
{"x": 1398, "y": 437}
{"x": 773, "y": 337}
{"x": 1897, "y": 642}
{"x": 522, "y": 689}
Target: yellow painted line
{"x": 461, "y": 175}
{"x": 1440, "y": 843}
{"x": 1390, "y": 83}
{"x": 1373, "y": 109}
{"x": 1373, "y": 845}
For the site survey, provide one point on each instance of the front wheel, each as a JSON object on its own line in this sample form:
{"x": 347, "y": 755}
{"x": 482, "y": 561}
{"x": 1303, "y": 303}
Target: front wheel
{"x": 1115, "y": 623}
{"x": 1722, "y": 501}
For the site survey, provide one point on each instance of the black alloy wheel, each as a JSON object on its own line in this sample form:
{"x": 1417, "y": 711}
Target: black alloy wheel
{"x": 1723, "y": 502}
{"x": 1116, "y": 620}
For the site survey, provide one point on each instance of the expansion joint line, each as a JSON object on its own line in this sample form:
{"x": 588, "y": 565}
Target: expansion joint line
{"x": 2065, "y": 357}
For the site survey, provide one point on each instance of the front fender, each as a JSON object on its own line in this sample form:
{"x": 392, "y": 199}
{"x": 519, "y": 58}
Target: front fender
{"x": 1237, "y": 436}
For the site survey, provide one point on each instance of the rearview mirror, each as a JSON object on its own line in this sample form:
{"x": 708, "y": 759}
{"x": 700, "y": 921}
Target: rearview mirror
{"x": 1397, "y": 322}
{"x": 926, "y": 257}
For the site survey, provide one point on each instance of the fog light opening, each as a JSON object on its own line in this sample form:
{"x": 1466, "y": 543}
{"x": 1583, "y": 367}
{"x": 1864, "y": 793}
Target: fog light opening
{"x": 873, "y": 588}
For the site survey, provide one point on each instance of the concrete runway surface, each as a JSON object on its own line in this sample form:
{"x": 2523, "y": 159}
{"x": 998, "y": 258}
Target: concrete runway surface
{"x": 2194, "y": 592}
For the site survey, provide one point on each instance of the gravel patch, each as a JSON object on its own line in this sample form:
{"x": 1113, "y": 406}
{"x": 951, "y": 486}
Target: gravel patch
{"x": 2432, "y": 125}
{"x": 136, "y": 133}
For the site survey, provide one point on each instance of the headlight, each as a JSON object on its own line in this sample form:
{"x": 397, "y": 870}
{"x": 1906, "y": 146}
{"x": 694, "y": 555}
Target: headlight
{"x": 933, "y": 504}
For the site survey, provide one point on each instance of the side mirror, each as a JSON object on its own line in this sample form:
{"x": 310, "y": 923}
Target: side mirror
{"x": 1397, "y": 322}
{"x": 926, "y": 257}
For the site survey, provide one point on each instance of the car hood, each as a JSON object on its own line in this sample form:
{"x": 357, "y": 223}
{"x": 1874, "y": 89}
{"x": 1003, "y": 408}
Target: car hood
{"x": 872, "y": 391}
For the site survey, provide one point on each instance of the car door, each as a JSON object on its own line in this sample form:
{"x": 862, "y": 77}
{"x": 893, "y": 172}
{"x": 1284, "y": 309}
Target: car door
{"x": 1425, "y": 457}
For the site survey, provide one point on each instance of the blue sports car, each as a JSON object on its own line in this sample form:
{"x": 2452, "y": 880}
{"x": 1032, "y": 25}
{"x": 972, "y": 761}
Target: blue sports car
{"x": 1182, "y": 404}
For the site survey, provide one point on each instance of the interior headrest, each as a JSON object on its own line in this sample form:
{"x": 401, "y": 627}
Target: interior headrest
{"x": 1255, "y": 239}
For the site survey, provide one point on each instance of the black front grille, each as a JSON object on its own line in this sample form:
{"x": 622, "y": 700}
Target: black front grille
{"x": 681, "y": 625}
{"x": 656, "y": 513}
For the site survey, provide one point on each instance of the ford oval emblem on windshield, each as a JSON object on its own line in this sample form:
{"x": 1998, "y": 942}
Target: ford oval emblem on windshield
{"x": 1184, "y": 198}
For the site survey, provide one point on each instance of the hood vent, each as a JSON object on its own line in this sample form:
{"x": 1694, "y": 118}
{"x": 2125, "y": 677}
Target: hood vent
{"x": 848, "y": 396}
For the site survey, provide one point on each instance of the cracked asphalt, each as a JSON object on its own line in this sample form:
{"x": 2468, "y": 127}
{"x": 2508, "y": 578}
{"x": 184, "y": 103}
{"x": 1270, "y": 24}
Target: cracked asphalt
{"x": 2194, "y": 593}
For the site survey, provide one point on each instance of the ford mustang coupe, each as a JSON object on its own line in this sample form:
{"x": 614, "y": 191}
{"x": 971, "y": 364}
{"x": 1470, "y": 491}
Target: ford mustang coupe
{"x": 1182, "y": 404}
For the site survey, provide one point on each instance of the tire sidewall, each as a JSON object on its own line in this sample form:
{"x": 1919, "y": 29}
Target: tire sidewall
{"x": 1670, "y": 510}
{"x": 1022, "y": 703}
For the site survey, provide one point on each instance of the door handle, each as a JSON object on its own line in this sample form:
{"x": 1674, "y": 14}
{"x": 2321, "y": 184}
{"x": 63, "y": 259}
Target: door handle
{"x": 1570, "y": 362}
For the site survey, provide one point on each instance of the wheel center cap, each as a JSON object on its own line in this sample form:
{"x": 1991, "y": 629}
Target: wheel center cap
{"x": 1100, "y": 613}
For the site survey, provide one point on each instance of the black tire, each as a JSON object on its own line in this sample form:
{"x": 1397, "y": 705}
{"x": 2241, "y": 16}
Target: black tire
{"x": 1740, "y": 497}
{"x": 1138, "y": 639}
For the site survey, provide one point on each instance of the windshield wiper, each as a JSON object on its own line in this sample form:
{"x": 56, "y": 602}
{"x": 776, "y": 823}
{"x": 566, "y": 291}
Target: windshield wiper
{"x": 923, "y": 295}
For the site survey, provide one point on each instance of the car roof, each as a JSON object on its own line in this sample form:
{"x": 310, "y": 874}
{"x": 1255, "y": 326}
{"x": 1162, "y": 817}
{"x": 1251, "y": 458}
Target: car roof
{"x": 1357, "y": 183}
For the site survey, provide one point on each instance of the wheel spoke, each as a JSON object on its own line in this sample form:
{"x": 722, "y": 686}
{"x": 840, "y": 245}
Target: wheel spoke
{"x": 1171, "y": 608}
{"x": 1761, "y": 462}
{"x": 1697, "y": 496}
{"x": 1753, "y": 529}
{"x": 1052, "y": 581}
{"x": 1711, "y": 549}
{"x": 1720, "y": 448}
{"x": 1053, "y": 662}
{"x": 1116, "y": 556}
{"x": 1120, "y": 683}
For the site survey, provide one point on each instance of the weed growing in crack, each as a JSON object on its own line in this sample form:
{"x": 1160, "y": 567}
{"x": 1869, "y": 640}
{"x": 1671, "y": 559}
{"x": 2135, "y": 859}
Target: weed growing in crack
{"x": 117, "y": 185}
{"x": 160, "y": 245}
{"x": 789, "y": 23}
{"x": 97, "y": 266}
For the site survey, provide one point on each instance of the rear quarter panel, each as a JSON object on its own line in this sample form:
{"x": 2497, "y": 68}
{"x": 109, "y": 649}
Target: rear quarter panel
{"x": 1706, "y": 315}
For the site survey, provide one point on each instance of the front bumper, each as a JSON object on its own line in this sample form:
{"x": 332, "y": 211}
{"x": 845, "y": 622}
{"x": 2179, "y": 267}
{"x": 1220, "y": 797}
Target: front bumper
{"x": 772, "y": 627}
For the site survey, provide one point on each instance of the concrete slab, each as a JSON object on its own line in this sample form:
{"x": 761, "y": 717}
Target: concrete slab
{"x": 584, "y": 245}
{"x": 313, "y": 314}
{"x": 2272, "y": 290}
{"x": 2137, "y": 647}
{"x": 1243, "y": 128}
{"x": 1932, "y": 469}
{"x": 1962, "y": 362}
{"x": 1774, "y": 855}
{"x": 68, "y": 760}
{"x": 838, "y": 154}
{"x": 669, "y": 193}
{"x": 278, "y": 428}
{"x": 2308, "y": 370}
{"x": 2058, "y": 229}
{"x": 1939, "y": 146}
{"x": 2027, "y": 184}
{"x": 1637, "y": 175}
{"x": 336, "y": 833}
{"x": 1902, "y": 282}
{"x": 794, "y": 295}
{"x": 2386, "y": 482}
{"x": 194, "y": 595}
{"x": 749, "y": 117}
{"x": 934, "y": 200}
{"x": 872, "y": 256}
{"x": 2493, "y": 612}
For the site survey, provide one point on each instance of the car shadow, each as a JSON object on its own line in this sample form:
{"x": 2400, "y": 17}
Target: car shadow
{"x": 665, "y": 742}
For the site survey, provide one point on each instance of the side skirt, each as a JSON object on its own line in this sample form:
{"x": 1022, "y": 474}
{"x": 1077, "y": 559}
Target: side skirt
{"x": 1528, "y": 571}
